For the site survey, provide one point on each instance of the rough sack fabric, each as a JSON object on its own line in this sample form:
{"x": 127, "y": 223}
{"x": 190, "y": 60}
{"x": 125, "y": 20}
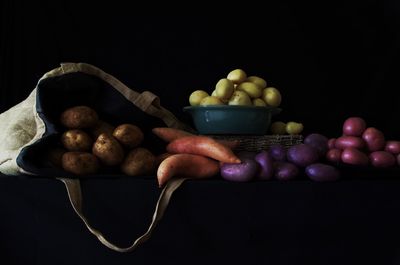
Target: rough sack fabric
{"x": 27, "y": 127}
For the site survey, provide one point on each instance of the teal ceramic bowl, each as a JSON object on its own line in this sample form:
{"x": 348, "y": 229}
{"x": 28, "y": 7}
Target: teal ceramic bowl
{"x": 225, "y": 119}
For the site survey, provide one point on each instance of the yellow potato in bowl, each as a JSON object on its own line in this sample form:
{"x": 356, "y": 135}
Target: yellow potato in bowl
{"x": 196, "y": 97}
{"x": 209, "y": 101}
{"x": 240, "y": 98}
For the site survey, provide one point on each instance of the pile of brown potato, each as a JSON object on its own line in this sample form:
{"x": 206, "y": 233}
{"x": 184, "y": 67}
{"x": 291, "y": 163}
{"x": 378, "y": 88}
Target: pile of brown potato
{"x": 91, "y": 144}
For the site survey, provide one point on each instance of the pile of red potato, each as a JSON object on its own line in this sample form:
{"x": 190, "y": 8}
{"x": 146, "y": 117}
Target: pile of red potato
{"x": 361, "y": 146}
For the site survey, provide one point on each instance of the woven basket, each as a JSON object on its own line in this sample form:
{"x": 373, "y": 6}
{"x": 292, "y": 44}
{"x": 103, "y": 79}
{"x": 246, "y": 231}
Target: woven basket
{"x": 261, "y": 142}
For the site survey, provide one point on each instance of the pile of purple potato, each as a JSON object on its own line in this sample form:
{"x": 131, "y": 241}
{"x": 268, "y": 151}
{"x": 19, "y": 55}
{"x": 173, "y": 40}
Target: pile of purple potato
{"x": 317, "y": 156}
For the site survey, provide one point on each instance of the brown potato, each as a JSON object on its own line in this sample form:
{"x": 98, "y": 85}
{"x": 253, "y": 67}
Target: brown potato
{"x": 129, "y": 135}
{"x": 54, "y": 156}
{"x": 80, "y": 163}
{"x": 76, "y": 140}
{"x": 139, "y": 161}
{"x": 102, "y": 127}
{"x": 108, "y": 150}
{"x": 79, "y": 117}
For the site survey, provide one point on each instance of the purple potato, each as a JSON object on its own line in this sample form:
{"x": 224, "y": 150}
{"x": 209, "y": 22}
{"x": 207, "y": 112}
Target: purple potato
{"x": 322, "y": 172}
{"x": 285, "y": 170}
{"x": 266, "y": 165}
{"x": 277, "y": 152}
{"x": 302, "y": 155}
{"x": 242, "y": 172}
{"x": 319, "y": 142}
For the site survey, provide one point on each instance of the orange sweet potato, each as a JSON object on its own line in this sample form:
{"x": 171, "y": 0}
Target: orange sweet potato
{"x": 186, "y": 165}
{"x": 204, "y": 146}
{"x": 170, "y": 134}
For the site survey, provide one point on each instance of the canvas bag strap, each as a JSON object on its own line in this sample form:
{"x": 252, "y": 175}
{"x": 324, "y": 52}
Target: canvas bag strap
{"x": 146, "y": 101}
{"x": 75, "y": 196}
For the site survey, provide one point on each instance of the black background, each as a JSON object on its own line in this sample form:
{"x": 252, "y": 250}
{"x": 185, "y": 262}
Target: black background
{"x": 330, "y": 60}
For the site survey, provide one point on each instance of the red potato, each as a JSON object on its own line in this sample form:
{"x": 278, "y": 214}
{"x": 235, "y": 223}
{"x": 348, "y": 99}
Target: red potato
{"x": 354, "y": 156}
{"x": 204, "y": 146}
{"x": 393, "y": 147}
{"x": 382, "y": 159}
{"x": 186, "y": 165}
{"x": 349, "y": 141}
{"x": 354, "y": 126}
{"x": 374, "y": 139}
{"x": 331, "y": 143}
{"x": 334, "y": 155}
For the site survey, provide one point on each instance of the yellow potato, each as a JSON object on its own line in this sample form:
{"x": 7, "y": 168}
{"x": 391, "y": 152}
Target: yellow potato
{"x": 240, "y": 98}
{"x": 80, "y": 163}
{"x": 294, "y": 127}
{"x": 214, "y": 94}
{"x": 208, "y": 101}
{"x": 272, "y": 96}
{"x": 139, "y": 161}
{"x": 237, "y": 76}
{"x": 108, "y": 150}
{"x": 76, "y": 140}
{"x": 54, "y": 156}
{"x": 278, "y": 127}
{"x": 224, "y": 88}
{"x": 79, "y": 117}
{"x": 259, "y": 102}
{"x": 196, "y": 97}
{"x": 129, "y": 135}
{"x": 252, "y": 89}
{"x": 258, "y": 81}
{"x": 101, "y": 127}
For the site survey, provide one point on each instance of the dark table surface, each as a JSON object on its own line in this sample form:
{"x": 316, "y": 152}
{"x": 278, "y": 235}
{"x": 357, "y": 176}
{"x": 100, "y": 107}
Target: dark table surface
{"x": 351, "y": 221}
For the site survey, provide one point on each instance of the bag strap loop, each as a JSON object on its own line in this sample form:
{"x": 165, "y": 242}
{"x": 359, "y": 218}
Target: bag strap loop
{"x": 75, "y": 196}
{"x": 147, "y": 99}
